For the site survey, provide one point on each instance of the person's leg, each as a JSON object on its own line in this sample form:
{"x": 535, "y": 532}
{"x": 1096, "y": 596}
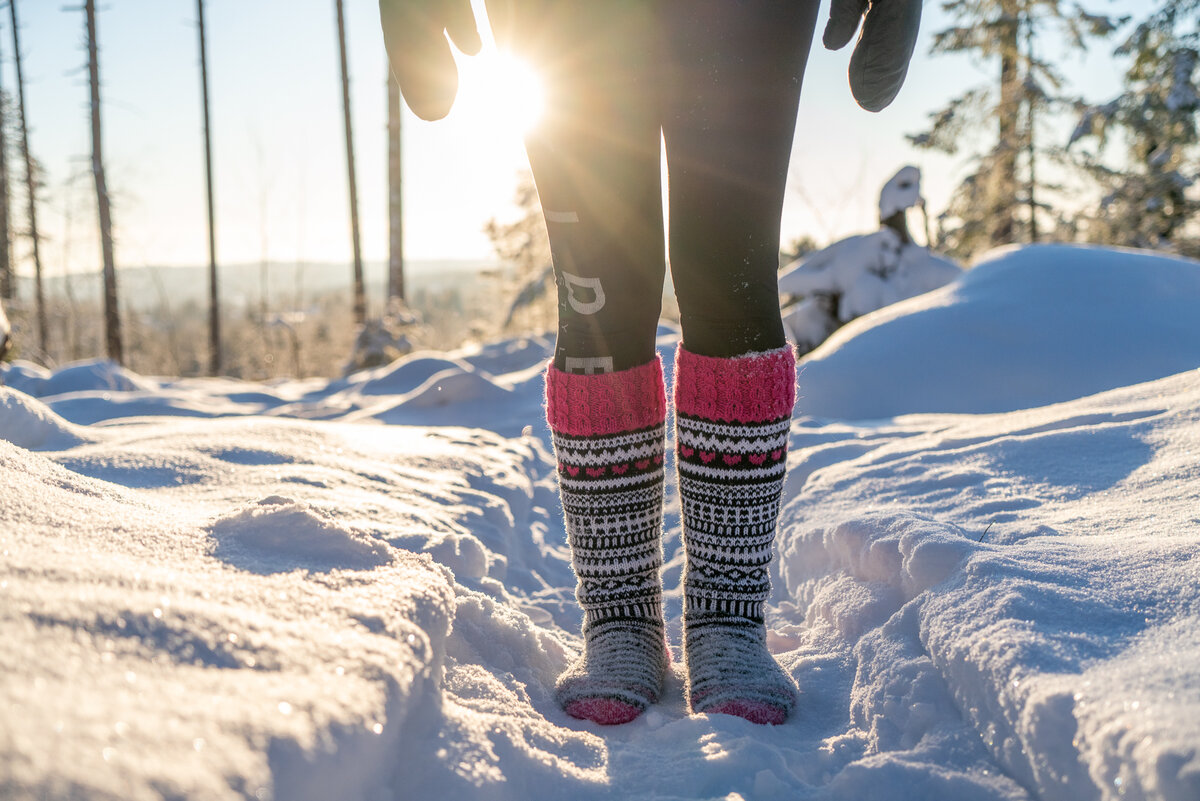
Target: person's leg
{"x": 596, "y": 162}
{"x": 595, "y": 159}
{"x": 729, "y": 122}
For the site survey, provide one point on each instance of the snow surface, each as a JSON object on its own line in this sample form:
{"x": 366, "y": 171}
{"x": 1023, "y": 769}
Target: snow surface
{"x": 1025, "y": 327}
{"x": 988, "y": 584}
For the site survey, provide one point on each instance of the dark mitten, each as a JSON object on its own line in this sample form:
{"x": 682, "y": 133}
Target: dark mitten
{"x": 414, "y": 32}
{"x": 880, "y": 60}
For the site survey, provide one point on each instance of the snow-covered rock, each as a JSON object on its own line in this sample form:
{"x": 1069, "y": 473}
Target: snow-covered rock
{"x": 5, "y": 332}
{"x": 859, "y": 274}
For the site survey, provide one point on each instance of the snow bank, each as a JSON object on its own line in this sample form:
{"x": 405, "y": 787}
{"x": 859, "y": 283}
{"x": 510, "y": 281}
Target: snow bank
{"x": 1024, "y": 328}
{"x": 142, "y": 666}
{"x": 178, "y": 623}
{"x": 30, "y": 424}
{"x": 278, "y": 533}
{"x": 98, "y": 375}
{"x": 1048, "y": 612}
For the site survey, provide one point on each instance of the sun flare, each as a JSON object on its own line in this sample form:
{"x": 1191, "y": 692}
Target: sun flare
{"x": 499, "y": 89}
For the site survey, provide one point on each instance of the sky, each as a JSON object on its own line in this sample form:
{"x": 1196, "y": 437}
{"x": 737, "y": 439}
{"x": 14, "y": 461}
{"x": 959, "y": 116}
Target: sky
{"x": 280, "y": 151}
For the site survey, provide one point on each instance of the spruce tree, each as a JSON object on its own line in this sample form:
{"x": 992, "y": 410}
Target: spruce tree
{"x": 999, "y": 201}
{"x": 1149, "y": 196}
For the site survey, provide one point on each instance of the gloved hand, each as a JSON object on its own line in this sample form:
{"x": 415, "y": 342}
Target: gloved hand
{"x": 880, "y": 60}
{"x": 414, "y": 32}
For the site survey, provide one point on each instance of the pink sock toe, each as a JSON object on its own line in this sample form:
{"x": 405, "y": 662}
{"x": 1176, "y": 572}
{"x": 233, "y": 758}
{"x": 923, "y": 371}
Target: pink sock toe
{"x": 605, "y": 711}
{"x": 753, "y": 711}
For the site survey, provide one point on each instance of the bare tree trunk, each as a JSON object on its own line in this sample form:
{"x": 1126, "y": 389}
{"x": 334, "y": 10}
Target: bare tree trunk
{"x": 1031, "y": 188}
{"x": 39, "y": 290}
{"x": 395, "y": 194}
{"x": 1008, "y": 145}
{"x": 360, "y": 298}
{"x": 214, "y": 303}
{"x": 112, "y": 320}
{"x": 6, "y": 272}
{"x": 1030, "y": 147}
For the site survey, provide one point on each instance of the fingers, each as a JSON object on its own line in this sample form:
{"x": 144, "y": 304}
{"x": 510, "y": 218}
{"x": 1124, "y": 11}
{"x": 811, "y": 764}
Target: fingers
{"x": 844, "y": 16}
{"x": 460, "y": 24}
{"x": 527, "y": 26}
{"x": 880, "y": 61}
{"x": 420, "y": 56}
{"x": 502, "y": 19}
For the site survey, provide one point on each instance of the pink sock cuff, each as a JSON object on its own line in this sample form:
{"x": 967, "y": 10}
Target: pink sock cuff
{"x": 605, "y": 403}
{"x": 741, "y": 389}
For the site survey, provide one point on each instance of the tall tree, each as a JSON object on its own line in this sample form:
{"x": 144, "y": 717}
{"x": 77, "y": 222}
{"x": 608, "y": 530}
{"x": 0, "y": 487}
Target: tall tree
{"x": 997, "y": 203}
{"x": 395, "y": 286}
{"x": 112, "y": 319}
{"x": 360, "y": 296}
{"x": 214, "y": 303}
{"x": 7, "y": 285}
{"x": 39, "y": 292}
{"x": 1149, "y": 192}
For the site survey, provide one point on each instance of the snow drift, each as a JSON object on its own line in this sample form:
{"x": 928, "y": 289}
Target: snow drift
{"x": 1025, "y": 327}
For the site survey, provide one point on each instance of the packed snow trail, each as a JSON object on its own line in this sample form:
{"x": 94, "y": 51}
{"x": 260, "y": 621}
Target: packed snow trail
{"x": 218, "y": 590}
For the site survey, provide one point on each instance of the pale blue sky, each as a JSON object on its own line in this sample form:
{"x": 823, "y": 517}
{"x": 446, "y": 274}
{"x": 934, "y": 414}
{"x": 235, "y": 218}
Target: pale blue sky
{"x": 280, "y": 181}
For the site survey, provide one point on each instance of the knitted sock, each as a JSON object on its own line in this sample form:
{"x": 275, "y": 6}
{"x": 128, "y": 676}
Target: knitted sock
{"x": 732, "y": 422}
{"x": 608, "y": 437}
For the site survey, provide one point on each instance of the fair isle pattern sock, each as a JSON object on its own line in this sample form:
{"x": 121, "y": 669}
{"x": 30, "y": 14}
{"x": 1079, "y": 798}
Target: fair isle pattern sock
{"x": 609, "y": 435}
{"x": 732, "y": 421}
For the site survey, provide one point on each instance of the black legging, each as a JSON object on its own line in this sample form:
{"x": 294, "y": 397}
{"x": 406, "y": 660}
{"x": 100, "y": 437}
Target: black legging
{"x": 721, "y": 81}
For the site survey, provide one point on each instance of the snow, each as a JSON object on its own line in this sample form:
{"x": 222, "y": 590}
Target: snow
{"x": 859, "y": 274}
{"x": 902, "y": 191}
{"x": 868, "y": 272}
{"x": 5, "y": 331}
{"x": 1025, "y": 327}
{"x": 988, "y": 584}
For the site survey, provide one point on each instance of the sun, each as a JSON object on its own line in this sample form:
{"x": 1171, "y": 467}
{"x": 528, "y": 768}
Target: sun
{"x": 499, "y": 90}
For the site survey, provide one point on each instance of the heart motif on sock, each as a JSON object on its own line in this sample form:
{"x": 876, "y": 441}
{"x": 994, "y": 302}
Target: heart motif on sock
{"x": 731, "y": 458}
{"x": 658, "y": 459}
{"x": 572, "y": 470}
{"x": 777, "y": 454}
{"x": 596, "y": 471}
{"x": 642, "y": 464}
{"x": 707, "y": 456}
{"x": 758, "y": 458}
{"x": 620, "y": 469}
{"x": 686, "y": 451}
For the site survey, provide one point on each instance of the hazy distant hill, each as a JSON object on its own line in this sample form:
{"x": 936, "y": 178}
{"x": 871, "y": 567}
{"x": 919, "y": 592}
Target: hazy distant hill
{"x": 242, "y": 283}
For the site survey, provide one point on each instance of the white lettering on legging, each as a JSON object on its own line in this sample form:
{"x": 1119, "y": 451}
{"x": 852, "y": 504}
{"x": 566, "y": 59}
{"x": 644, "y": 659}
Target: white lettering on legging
{"x": 589, "y": 365}
{"x": 584, "y": 307}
